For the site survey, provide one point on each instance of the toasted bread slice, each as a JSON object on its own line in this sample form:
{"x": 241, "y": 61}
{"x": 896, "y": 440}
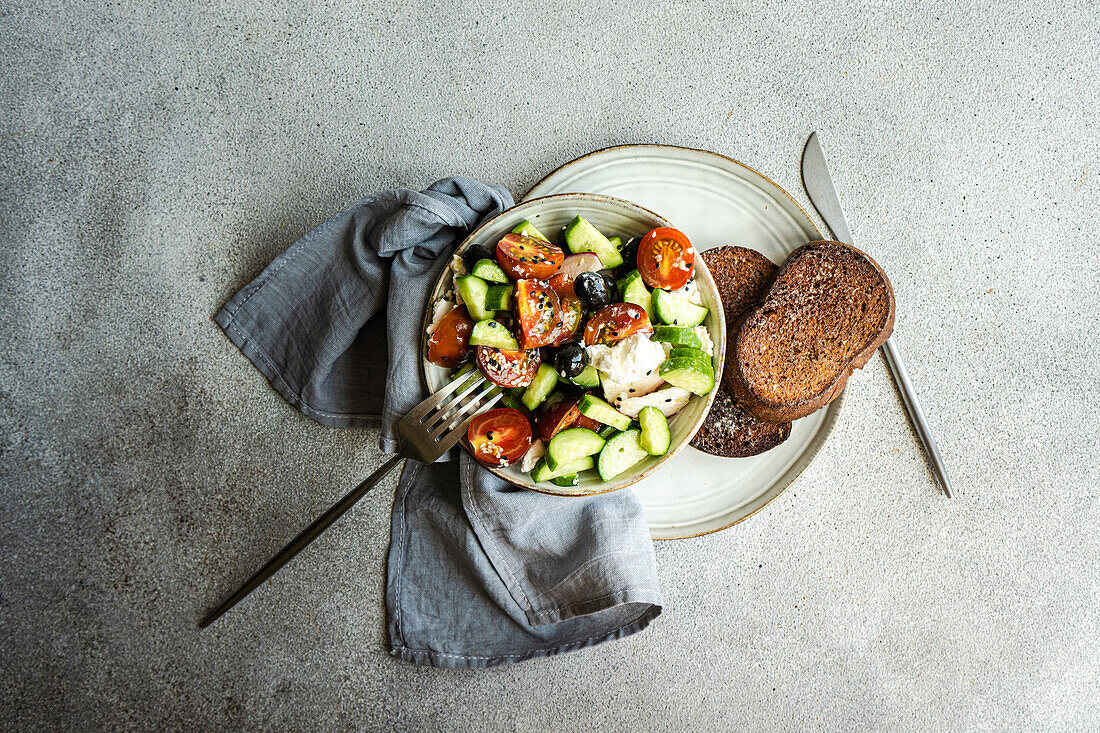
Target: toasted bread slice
{"x": 731, "y": 432}
{"x": 742, "y": 276}
{"x": 828, "y": 309}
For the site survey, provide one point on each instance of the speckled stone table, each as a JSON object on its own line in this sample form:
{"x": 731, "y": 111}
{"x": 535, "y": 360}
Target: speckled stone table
{"x": 155, "y": 156}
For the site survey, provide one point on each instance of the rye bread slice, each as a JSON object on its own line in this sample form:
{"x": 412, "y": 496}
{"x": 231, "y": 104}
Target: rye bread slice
{"x": 827, "y": 311}
{"x": 742, "y": 276}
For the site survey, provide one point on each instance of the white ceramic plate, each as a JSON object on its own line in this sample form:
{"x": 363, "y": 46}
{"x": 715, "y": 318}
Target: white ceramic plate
{"x": 614, "y": 217}
{"x": 714, "y": 200}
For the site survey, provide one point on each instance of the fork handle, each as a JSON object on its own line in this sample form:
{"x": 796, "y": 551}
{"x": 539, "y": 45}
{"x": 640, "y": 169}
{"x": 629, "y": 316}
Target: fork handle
{"x": 307, "y": 535}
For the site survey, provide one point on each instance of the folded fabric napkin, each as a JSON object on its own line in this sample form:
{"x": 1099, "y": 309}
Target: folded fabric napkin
{"x": 479, "y": 572}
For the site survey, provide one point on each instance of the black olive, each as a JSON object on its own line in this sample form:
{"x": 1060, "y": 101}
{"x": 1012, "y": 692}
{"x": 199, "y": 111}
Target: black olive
{"x": 475, "y": 253}
{"x": 562, "y": 244}
{"x": 629, "y": 251}
{"x": 595, "y": 289}
{"x": 570, "y": 359}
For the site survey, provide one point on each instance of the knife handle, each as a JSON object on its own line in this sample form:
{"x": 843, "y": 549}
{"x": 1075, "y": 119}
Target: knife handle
{"x": 916, "y": 413}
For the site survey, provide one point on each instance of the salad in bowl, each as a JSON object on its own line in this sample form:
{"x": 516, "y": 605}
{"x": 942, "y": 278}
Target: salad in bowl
{"x": 604, "y": 333}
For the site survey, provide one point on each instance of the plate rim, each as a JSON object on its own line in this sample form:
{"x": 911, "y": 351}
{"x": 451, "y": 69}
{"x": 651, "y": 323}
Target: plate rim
{"x": 605, "y": 198}
{"x": 839, "y": 402}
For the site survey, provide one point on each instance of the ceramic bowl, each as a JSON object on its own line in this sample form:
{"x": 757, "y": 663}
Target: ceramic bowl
{"x": 613, "y": 217}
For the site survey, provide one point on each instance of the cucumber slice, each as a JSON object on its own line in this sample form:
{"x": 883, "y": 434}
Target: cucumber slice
{"x": 655, "y": 437}
{"x": 473, "y": 291}
{"x": 546, "y": 378}
{"x": 489, "y": 270}
{"x": 491, "y": 333}
{"x": 528, "y": 229}
{"x": 694, "y": 375}
{"x": 676, "y": 309}
{"x": 616, "y": 242}
{"x": 681, "y": 351}
{"x": 608, "y": 431}
{"x": 542, "y": 472}
{"x": 634, "y": 291}
{"x": 589, "y": 378}
{"x": 499, "y": 298}
{"x": 571, "y": 445}
{"x": 621, "y": 453}
{"x": 568, "y": 481}
{"x": 511, "y": 401}
{"x": 677, "y": 336}
{"x": 600, "y": 411}
{"x": 580, "y": 236}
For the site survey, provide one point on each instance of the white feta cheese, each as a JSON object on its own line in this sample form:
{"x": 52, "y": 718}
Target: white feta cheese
{"x": 704, "y": 337}
{"x": 532, "y": 456}
{"x": 442, "y": 307}
{"x": 614, "y": 392}
{"x": 668, "y": 400}
{"x": 631, "y": 359}
{"x": 458, "y": 265}
{"x": 690, "y": 292}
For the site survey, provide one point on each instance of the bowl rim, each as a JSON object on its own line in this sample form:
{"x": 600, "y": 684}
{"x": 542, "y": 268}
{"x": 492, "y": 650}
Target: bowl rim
{"x": 718, "y": 358}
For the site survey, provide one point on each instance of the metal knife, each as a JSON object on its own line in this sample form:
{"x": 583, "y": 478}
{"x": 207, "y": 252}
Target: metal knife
{"x": 819, "y": 187}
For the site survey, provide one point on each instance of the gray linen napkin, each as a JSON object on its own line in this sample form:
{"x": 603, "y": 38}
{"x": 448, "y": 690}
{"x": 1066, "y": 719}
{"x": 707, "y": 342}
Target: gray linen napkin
{"x": 479, "y": 572}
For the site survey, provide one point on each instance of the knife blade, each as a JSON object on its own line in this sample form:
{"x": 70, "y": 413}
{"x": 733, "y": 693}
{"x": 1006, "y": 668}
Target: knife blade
{"x": 819, "y": 187}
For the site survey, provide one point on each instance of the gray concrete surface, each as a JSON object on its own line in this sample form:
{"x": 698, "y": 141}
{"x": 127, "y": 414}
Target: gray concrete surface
{"x": 155, "y": 156}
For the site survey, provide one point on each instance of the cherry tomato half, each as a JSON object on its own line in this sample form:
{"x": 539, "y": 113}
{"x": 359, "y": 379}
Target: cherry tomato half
{"x": 562, "y": 415}
{"x": 450, "y": 341}
{"x": 666, "y": 258}
{"x": 615, "y": 322}
{"x": 537, "y": 312}
{"x": 570, "y": 308}
{"x": 523, "y": 257}
{"x": 506, "y": 368}
{"x": 499, "y": 437}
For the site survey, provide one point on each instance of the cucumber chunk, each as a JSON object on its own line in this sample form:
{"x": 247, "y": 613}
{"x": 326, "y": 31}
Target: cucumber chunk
{"x": 542, "y": 472}
{"x": 621, "y": 453}
{"x": 541, "y": 386}
{"x": 527, "y": 229}
{"x": 580, "y": 236}
{"x": 499, "y": 298}
{"x": 489, "y": 270}
{"x": 677, "y": 336}
{"x": 608, "y": 431}
{"x": 491, "y": 333}
{"x": 634, "y": 291}
{"x": 685, "y": 372}
{"x": 595, "y": 408}
{"x": 567, "y": 481}
{"x": 589, "y": 378}
{"x": 676, "y": 309}
{"x": 681, "y": 351}
{"x": 571, "y": 445}
{"x": 473, "y": 291}
{"x": 655, "y": 437}
{"x": 616, "y": 242}
{"x": 511, "y": 401}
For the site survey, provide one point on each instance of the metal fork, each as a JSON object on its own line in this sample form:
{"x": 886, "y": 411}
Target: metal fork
{"x": 427, "y": 432}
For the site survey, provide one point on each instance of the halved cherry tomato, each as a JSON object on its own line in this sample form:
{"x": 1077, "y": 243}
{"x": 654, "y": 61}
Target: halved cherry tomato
{"x": 507, "y": 368}
{"x": 615, "y": 322}
{"x": 666, "y": 258}
{"x": 499, "y": 437}
{"x": 450, "y": 341}
{"x": 570, "y": 308}
{"x": 562, "y": 415}
{"x": 523, "y": 257}
{"x": 537, "y": 312}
